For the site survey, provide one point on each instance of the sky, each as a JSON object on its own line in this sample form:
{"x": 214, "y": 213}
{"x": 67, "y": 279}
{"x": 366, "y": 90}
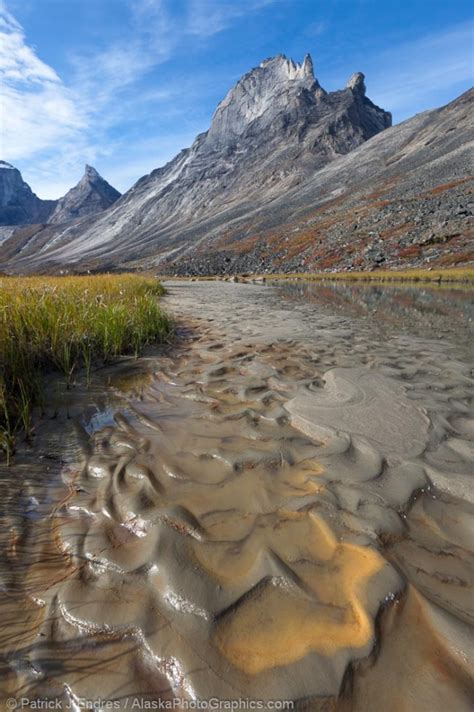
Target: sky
{"x": 124, "y": 85}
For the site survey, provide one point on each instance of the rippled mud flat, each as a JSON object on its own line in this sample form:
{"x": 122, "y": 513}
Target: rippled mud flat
{"x": 279, "y": 508}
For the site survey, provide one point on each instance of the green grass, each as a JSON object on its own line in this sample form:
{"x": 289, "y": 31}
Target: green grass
{"x": 68, "y": 325}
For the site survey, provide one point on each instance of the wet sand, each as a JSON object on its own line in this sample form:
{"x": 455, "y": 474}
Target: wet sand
{"x": 278, "y": 507}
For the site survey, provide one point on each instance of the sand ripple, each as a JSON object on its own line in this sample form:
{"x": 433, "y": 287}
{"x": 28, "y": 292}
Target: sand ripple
{"x": 256, "y": 514}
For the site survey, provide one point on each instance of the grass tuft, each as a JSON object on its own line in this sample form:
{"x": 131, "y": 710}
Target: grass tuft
{"x": 67, "y": 324}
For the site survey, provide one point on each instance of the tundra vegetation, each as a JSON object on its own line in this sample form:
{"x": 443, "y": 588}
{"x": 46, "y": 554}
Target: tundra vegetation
{"x": 463, "y": 275}
{"x": 68, "y": 325}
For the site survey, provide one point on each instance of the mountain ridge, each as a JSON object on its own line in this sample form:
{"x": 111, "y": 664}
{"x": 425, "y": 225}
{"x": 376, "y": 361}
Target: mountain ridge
{"x": 279, "y": 152}
{"x": 273, "y": 129}
{"x": 20, "y": 206}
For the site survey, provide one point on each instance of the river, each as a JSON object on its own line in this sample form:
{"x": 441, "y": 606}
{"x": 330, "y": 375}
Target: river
{"x": 277, "y": 507}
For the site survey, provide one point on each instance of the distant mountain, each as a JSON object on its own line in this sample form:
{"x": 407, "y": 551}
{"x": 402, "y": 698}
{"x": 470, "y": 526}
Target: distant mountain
{"x": 288, "y": 177}
{"x": 20, "y": 206}
{"x": 91, "y": 195}
{"x": 273, "y": 129}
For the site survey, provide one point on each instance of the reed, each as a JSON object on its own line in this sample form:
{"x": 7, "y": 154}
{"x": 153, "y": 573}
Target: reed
{"x": 68, "y": 325}
{"x": 459, "y": 275}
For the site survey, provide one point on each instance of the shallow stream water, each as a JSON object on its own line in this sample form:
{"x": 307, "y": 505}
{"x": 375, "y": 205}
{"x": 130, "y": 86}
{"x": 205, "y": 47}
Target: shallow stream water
{"x": 277, "y": 507}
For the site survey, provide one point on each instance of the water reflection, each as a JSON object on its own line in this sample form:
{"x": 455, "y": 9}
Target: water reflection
{"x": 428, "y": 311}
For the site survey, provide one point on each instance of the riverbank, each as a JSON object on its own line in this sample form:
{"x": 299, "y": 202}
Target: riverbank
{"x": 65, "y": 325}
{"x": 455, "y": 275}
{"x": 450, "y": 275}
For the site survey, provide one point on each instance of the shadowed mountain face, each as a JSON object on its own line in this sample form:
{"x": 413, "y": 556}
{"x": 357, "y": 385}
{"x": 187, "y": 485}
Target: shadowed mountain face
{"x": 288, "y": 177}
{"x": 20, "y": 206}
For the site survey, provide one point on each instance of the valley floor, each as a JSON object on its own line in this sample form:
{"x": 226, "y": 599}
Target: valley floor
{"x": 275, "y": 508}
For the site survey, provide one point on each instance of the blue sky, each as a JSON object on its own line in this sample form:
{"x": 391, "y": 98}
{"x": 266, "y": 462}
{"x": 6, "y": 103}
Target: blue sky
{"x": 125, "y": 84}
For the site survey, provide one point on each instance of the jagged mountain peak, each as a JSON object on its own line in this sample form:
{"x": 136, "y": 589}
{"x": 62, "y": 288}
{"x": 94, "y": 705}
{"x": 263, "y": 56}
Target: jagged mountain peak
{"x": 91, "y": 195}
{"x": 90, "y": 172}
{"x": 265, "y": 91}
{"x": 91, "y": 176}
{"x": 357, "y": 83}
{"x": 308, "y": 67}
{"x": 287, "y": 68}
{"x": 273, "y": 130}
{"x": 7, "y": 166}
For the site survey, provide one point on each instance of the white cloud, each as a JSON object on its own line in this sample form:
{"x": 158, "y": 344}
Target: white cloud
{"x": 38, "y": 110}
{"x": 102, "y": 75}
{"x": 65, "y": 126}
{"x": 34, "y": 121}
{"x": 52, "y": 129}
{"x": 315, "y": 29}
{"x": 207, "y": 17}
{"x": 18, "y": 62}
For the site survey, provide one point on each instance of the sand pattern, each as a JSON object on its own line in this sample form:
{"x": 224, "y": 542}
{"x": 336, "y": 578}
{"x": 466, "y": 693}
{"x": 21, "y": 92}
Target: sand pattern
{"x": 268, "y": 510}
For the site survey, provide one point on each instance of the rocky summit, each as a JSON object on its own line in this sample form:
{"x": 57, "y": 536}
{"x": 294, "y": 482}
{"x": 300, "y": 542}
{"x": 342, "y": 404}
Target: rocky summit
{"x": 289, "y": 177}
{"x": 20, "y": 206}
{"x": 275, "y": 127}
{"x": 91, "y": 195}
